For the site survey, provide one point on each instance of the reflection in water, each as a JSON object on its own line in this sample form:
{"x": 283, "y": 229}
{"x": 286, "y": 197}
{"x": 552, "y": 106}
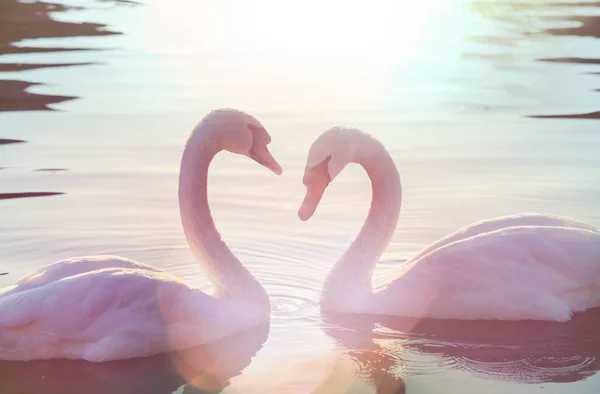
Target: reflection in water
{"x": 579, "y": 60}
{"x": 15, "y": 98}
{"x": 524, "y": 352}
{"x": 5, "y": 141}
{"x": 29, "y": 20}
{"x": 354, "y": 333}
{"x": 589, "y": 26}
{"x": 588, "y": 115}
{"x": 12, "y": 67}
{"x": 529, "y": 352}
{"x": 206, "y": 369}
{"x": 520, "y": 20}
{"x": 8, "y": 196}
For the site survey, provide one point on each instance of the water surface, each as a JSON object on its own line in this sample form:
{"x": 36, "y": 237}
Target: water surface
{"x": 488, "y": 108}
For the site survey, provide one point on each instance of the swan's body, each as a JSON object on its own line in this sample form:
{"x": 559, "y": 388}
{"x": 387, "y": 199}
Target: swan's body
{"x": 512, "y": 268}
{"x": 105, "y": 308}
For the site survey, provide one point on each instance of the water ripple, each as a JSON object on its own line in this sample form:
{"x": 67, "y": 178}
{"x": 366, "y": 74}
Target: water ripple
{"x": 289, "y": 307}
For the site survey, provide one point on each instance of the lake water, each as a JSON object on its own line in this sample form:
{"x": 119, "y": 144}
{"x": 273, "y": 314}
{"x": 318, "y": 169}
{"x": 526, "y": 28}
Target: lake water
{"x": 453, "y": 88}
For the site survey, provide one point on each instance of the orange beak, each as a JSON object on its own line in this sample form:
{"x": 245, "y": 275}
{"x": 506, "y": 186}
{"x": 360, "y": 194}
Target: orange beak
{"x": 317, "y": 180}
{"x": 262, "y": 155}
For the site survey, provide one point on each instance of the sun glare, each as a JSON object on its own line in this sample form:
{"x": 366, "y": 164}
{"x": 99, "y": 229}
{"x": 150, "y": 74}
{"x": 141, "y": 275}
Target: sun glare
{"x": 342, "y": 50}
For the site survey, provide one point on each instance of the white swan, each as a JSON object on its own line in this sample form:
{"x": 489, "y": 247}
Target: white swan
{"x": 510, "y": 268}
{"x": 105, "y": 308}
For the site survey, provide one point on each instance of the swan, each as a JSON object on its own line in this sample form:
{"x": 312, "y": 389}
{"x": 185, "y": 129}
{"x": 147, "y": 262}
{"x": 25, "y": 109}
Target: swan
{"x": 104, "y": 308}
{"x": 522, "y": 267}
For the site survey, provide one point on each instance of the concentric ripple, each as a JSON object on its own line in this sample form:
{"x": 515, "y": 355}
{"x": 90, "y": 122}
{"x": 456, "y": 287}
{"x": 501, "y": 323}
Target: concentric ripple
{"x": 288, "y": 307}
{"x": 290, "y": 272}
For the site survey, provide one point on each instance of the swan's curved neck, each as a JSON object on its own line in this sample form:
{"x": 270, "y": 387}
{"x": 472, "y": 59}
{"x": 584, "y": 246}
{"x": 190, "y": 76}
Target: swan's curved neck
{"x": 350, "y": 279}
{"x": 229, "y": 277}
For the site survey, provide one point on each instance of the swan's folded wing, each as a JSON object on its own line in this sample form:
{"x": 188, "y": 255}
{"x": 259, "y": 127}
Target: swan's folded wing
{"x": 74, "y": 266}
{"x": 494, "y": 224}
{"x": 528, "y": 272}
{"x": 84, "y": 308}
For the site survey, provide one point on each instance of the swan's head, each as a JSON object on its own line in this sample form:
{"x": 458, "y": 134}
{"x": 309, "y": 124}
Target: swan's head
{"x": 237, "y": 132}
{"x": 327, "y": 157}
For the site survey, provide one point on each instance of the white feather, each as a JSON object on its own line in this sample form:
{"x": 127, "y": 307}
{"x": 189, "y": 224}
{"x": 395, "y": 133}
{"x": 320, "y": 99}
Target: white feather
{"x": 519, "y": 267}
{"x": 103, "y": 308}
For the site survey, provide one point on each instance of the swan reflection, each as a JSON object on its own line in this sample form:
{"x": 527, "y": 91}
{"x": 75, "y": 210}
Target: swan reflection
{"x": 205, "y": 369}
{"x": 388, "y": 349}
